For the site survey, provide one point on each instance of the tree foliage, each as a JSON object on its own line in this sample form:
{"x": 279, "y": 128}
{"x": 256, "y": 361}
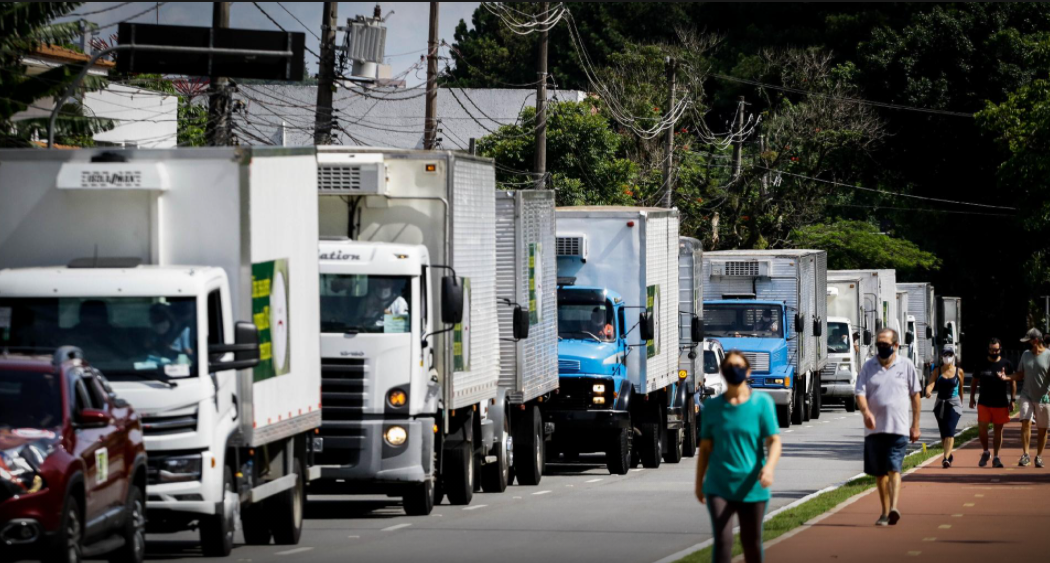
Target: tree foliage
{"x": 855, "y": 245}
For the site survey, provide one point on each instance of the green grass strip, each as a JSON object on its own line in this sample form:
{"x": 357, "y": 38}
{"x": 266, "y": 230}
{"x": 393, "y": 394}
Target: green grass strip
{"x": 790, "y": 519}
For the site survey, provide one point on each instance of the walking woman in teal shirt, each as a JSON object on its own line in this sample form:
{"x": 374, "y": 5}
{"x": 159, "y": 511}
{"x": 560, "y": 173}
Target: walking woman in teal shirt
{"x": 733, "y": 475}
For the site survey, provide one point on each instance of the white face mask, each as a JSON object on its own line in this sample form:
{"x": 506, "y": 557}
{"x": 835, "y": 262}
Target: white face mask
{"x": 386, "y": 293}
{"x": 948, "y": 360}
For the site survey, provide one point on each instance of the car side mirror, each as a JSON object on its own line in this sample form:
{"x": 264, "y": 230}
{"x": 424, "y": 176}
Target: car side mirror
{"x": 92, "y": 418}
{"x": 929, "y": 333}
{"x": 800, "y": 326}
{"x": 451, "y": 300}
{"x": 909, "y": 338}
{"x": 818, "y": 327}
{"x": 521, "y": 323}
{"x": 245, "y": 349}
{"x": 647, "y": 326}
{"x": 696, "y": 332}
{"x": 867, "y": 338}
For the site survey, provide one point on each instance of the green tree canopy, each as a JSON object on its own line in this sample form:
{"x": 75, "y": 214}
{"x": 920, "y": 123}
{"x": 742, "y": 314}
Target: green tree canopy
{"x": 856, "y": 245}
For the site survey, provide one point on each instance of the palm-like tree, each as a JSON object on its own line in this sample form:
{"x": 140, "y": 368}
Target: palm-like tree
{"x": 23, "y": 27}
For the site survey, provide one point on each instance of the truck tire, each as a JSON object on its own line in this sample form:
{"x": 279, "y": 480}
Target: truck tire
{"x": 851, "y": 404}
{"x": 691, "y": 430}
{"x": 818, "y": 402}
{"x": 651, "y": 450}
{"x": 255, "y": 525}
{"x": 618, "y": 456}
{"x": 675, "y": 445}
{"x": 420, "y": 500}
{"x": 784, "y": 415}
{"x": 287, "y": 509}
{"x": 807, "y": 401}
{"x": 67, "y": 544}
{"x": 797, "y": 406}
{"x": 496, "y": 476}
{"x": 458, "y": 481}
{"x": 528, "y": 441}
{"x": 217, "y": 529}
{"x": 134, "y": 529}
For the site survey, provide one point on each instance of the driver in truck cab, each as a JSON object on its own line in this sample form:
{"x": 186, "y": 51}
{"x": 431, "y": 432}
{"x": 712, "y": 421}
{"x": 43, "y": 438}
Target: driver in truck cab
{"x": 766, "y": 323}
{"x": 602, "y": 329}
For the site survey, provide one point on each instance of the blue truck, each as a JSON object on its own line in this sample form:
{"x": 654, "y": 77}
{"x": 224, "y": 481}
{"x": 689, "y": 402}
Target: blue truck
{"x": 618, "y": 332}
{"x": 772, "y": 306}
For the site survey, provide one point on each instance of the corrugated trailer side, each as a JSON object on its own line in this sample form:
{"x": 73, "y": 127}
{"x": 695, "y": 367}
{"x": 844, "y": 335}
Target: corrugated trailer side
{"x": 661, "y": 270}
{"x": 690, "y": 299}
{"x": 822, "y": 308}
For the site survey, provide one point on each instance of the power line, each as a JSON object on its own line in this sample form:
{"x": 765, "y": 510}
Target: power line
{"x": 919, "y": 210}
{"x": 103, "y": 10}
{"x": 308, "y": 30}
{"x": 142, "y": 13}
{"x": 281, "y": 27}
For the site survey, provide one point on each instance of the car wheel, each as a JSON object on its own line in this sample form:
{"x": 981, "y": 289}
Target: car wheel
{"x": 134, "y": 532}
{"x": 67, "y": 547}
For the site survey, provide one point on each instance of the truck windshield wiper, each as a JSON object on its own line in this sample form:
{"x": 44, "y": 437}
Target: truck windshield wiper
{"x": 146, "y": 375}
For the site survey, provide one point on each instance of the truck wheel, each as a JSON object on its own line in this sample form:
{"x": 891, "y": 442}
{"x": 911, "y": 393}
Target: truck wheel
{"x": 421, "y": 499}
{"x": 255, "y": 525}
{"x": 851, "y": 404}
{"x": 217, "y": 529}
{"x": 66, "y": 545}
{"x": 528, "y": 441}
{"x": 134, "y": 530}
{"x": 675, "y": 444}
{"x": 806, "y": 402}
{"x": 496, "y": 476}
{"x": 818, "y": 402}
{"x": 458, "y": 481}
{"x": 652, "y": 445}
{"x": 797, "y": 406}
{"x": 618, "y": 456}
{"x": 784, "y": 416}
{"x": 287, "y": 511}
{"x": 691, "y": 430}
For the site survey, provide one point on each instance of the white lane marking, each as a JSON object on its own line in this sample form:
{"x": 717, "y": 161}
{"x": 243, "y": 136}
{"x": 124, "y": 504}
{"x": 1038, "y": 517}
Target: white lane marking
{"x": 475, "y": 507}
{"x": 639, "y": 469}
{"x": 841, "y": 418}
{"x": 570, "y": 486}
{"x": 788, "y": 431}
{"x": 540, "y": 493}
{"x": 517, "y": 498}
{"x": 810, "y": 426}
{"x": 593, "y": 481}
{"x": 396, "y": 527}
{"x": 294, "y": 551}
{"x": 825, "y": 421}
{"x": 353, "y": 537}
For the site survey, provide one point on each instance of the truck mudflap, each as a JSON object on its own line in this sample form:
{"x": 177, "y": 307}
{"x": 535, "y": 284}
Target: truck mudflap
{"x": 588, "y": 419}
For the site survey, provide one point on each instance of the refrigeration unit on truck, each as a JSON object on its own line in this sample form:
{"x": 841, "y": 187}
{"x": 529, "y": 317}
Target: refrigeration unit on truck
{"x": 950, "y": 314}
{"x": 690, "y": 354}
{"x": 189, "y": 278}
{"x": 526, "y": 287}
{"x": 878, "y": 293}
{"x": 847, "y": 344}
{"x": 410, "y": 341}
{"x": 772, "y": 306}
{"x": 618, "y": 336}
{"x": 923, "y": 306}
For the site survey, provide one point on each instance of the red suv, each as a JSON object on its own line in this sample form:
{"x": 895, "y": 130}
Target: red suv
{"x": 72, "y": 462}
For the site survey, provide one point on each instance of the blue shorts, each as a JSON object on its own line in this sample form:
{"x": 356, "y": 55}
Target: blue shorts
{"x": 884, "y": 453}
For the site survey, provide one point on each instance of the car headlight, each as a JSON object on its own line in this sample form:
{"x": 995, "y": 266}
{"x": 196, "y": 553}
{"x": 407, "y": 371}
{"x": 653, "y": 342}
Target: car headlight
{"x": 395, "y": 436}
{"x": 180, "y": 469}
{"x": 20, "y": 470}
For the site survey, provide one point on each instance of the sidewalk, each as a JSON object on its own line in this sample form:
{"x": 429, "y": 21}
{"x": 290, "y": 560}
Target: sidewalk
{"x": 966, "y": 513}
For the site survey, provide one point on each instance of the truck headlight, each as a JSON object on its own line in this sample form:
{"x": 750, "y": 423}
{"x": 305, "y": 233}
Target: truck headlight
{"x": 599, "y": 388}
{"x": 777, "y": 381}
{"x": 396, "y": 436}
{"x": 844, "y": 367}
{"x": 180, "y": 469}
{"x": 599, "y": 400}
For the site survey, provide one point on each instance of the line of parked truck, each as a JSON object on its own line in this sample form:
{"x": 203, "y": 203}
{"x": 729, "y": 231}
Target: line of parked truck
{"x": 333, "y": 320}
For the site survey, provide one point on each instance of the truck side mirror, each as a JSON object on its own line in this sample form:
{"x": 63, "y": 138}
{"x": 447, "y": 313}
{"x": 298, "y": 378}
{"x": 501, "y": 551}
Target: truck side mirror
{"x": 800, "y": 326}
{"x": 521, "y": 323}
{"x": 867, "y": 338}
{"x": 647, "y": 326}
{"x": 878, "y": 325}
{"x": 929, "y": 333}
{"x": 818, "y": 327}
{"x": 245, "y": 349}
{"x": 696, "y": 332}
{"x": 909, "y": 338}
{"x": 451, "y": 300}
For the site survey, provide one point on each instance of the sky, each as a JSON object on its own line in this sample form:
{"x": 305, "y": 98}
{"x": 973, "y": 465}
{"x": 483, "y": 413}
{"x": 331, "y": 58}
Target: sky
{"x": 407, "y": 27}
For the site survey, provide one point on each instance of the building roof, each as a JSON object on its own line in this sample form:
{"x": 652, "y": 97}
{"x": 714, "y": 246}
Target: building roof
{"x": 66, "y": 55}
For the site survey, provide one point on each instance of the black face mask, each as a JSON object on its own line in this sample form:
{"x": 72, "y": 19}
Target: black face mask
{"x": 885, "y": 352}
{"x": 735, "y": 375}
{"x": 993, "y": 355}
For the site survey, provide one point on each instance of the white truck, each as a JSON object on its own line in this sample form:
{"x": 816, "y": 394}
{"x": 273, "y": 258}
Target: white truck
{"x": 618, "y": 328}
{"x": 189, "y": 278}
{"x": 526, "y": 286}
{"x": 690, "y": 317}
{"x": 772, "y": 306}
{"x": 907, "y": 324}
{"x": 410, "y": 336}
{"x": 847, "y": 343}
{"x": 922, "y": 305}
{"x": 878, "y": 292}
{"x": 950, "y": 314}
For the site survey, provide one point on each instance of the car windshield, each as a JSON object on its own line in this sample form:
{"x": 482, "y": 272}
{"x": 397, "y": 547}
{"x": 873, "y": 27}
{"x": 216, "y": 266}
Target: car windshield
{"x": 365, "y": 304}
{"x": 125, "y": 337}
{"x": 710, "y": 361}
{"x": 838, "y": 338}
{"x": 743, "y": 321}
{"x": 584, "y": 315}
{"x": 31, "y": 400}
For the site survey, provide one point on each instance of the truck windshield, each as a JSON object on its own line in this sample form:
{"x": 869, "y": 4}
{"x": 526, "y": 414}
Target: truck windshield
{"x": 30, "y": 400}
{"x": 358, "y": 304}
{"x": 838, "y": 338}
{"x": 585, "y": 316}
{"x": 125, "y": 337}
{"x": 743, "y": 320}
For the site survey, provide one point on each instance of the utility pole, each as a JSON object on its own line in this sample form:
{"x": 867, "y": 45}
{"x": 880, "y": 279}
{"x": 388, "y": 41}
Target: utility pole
{"x": 431, "y": 123}
{"x": 218, "y": 131}
{"x": 668, "y": 200}
{"x": 326, "y": 75}
{"x": 539, "y": 167}
{"x": 738, "y": 146}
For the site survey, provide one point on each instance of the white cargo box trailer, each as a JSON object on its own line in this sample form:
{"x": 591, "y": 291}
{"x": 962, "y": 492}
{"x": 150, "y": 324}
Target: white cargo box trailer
{"x": 879, "y": 297}
{"x": 222, "y": 235}
{"x": 922, "y": 305}
{"x": 950, "y": 315}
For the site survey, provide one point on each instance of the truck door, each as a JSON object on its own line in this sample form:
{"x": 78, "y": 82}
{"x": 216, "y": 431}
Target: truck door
{"x": 216, "y": 323}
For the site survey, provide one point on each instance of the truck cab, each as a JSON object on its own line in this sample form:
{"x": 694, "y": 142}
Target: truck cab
{"x": 759, "y": 330}
{"x": 839, "y": 378}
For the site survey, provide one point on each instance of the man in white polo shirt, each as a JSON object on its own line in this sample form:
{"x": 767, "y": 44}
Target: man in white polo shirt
{"x": 888, "y": 387}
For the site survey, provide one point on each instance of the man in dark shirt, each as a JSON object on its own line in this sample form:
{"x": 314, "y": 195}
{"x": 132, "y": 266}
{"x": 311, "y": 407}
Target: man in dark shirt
{"x": 996, "y": 398}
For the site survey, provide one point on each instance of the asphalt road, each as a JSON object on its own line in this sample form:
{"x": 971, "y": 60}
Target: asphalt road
{"x": 578, "y": 513}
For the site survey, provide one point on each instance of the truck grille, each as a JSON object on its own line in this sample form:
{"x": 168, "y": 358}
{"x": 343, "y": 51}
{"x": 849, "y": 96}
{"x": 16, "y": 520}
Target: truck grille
{"x": 343, "y": 382}
{"x": 829, "y": 372}
{"x": 342, "y": 445}
{"x": 577, "y": 393}
{"x": 167, "y": 425}
{"x": 568, "y": 366}
{"x": 759, "y": 361}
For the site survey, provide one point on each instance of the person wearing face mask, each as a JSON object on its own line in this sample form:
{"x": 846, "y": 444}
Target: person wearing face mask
{"x": 888, "y": 386}
{"x": 1035, "y": 394}
{"x": 947, "y": 380}
{"x": 996, "y": 400}
{"x": 167, "y": 339}
{"x": 733, "y": 475}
